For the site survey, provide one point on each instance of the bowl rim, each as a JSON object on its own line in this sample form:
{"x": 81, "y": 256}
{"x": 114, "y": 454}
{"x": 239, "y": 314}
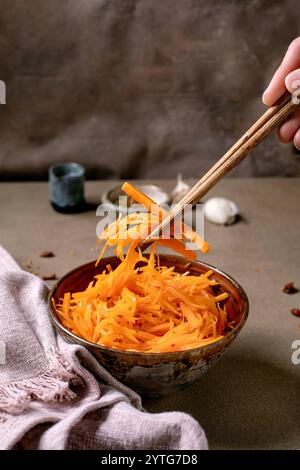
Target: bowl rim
{"x": 173, "y": 354}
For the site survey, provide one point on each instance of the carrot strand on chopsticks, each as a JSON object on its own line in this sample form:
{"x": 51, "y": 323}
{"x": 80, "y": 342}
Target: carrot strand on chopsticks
{"x": 141, "y": 198}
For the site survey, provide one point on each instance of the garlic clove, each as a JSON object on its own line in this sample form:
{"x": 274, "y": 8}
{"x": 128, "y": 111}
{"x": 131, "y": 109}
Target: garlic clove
{"x": 221, "y": 211}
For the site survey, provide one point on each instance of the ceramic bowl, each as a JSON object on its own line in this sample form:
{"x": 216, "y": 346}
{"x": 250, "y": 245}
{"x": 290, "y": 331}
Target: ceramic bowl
{"x": 111, "y": 199}
{"x": 156, "y": 374}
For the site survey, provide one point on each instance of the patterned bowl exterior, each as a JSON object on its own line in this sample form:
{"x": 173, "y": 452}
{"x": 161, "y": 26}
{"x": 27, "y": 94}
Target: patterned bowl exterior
{"x": 155, "y": 374}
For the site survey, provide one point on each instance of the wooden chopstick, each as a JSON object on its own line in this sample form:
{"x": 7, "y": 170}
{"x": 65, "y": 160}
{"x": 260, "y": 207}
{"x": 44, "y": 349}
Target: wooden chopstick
{"x": 271, "y": 119}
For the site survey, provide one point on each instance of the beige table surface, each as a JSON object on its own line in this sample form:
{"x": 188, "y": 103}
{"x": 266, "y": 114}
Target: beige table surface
{"x": 251, "y": 398}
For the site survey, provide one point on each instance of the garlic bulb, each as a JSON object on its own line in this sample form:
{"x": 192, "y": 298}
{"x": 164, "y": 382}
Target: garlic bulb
{"x": 180, "y": 190}
{"x": 220, "y": 211}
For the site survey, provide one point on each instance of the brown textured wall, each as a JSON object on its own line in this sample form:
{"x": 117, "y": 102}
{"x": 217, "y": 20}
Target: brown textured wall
{"x": 138, "y": 88}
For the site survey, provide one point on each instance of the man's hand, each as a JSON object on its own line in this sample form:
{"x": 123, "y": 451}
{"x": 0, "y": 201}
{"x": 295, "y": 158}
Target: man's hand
{"x": 287, "y": 77}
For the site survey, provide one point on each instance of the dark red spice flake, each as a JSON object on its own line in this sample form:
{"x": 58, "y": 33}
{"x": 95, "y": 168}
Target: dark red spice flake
{"x": 47, "y": 254}
{"x": 289, "y": 288}
{"x": 296, "y": 312}
{"x": 49, "y": 277}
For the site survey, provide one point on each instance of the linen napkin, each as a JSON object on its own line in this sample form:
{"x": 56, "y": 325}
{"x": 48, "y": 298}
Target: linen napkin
{"x": 55, "y": 395}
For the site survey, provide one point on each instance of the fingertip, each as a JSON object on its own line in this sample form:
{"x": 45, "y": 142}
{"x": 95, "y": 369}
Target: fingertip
{"x": 266, "y": 98}
{"x": 272, "y": 94}
{"x": 283, "y": 135}
{"x": 287, "y": 131}
{"x": 297, "y": 140}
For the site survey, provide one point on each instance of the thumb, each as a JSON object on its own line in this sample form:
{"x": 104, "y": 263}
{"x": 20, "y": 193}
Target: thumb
{"x": 292, "y": 81}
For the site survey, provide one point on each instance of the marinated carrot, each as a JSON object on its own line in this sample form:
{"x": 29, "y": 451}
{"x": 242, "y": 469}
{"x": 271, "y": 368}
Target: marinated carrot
{"x": 142, "y": 306}
{"x": 141, "y": 198}
{"x": 135, "y": 227}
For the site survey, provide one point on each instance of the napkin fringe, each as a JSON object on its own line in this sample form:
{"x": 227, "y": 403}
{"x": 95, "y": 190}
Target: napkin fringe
{"x": 51, "y": 385}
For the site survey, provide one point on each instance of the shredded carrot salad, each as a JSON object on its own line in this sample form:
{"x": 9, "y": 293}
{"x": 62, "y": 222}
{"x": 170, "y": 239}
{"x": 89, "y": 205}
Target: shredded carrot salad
{"x": 141, "y": 305}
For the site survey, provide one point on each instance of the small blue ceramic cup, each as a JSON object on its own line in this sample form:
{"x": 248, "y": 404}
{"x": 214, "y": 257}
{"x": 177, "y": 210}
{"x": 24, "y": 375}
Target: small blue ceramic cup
{"x": 66, "y": 187}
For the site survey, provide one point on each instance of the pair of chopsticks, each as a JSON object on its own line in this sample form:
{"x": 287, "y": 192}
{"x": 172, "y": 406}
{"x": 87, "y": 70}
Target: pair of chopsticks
{"x": 271, "y": 119}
